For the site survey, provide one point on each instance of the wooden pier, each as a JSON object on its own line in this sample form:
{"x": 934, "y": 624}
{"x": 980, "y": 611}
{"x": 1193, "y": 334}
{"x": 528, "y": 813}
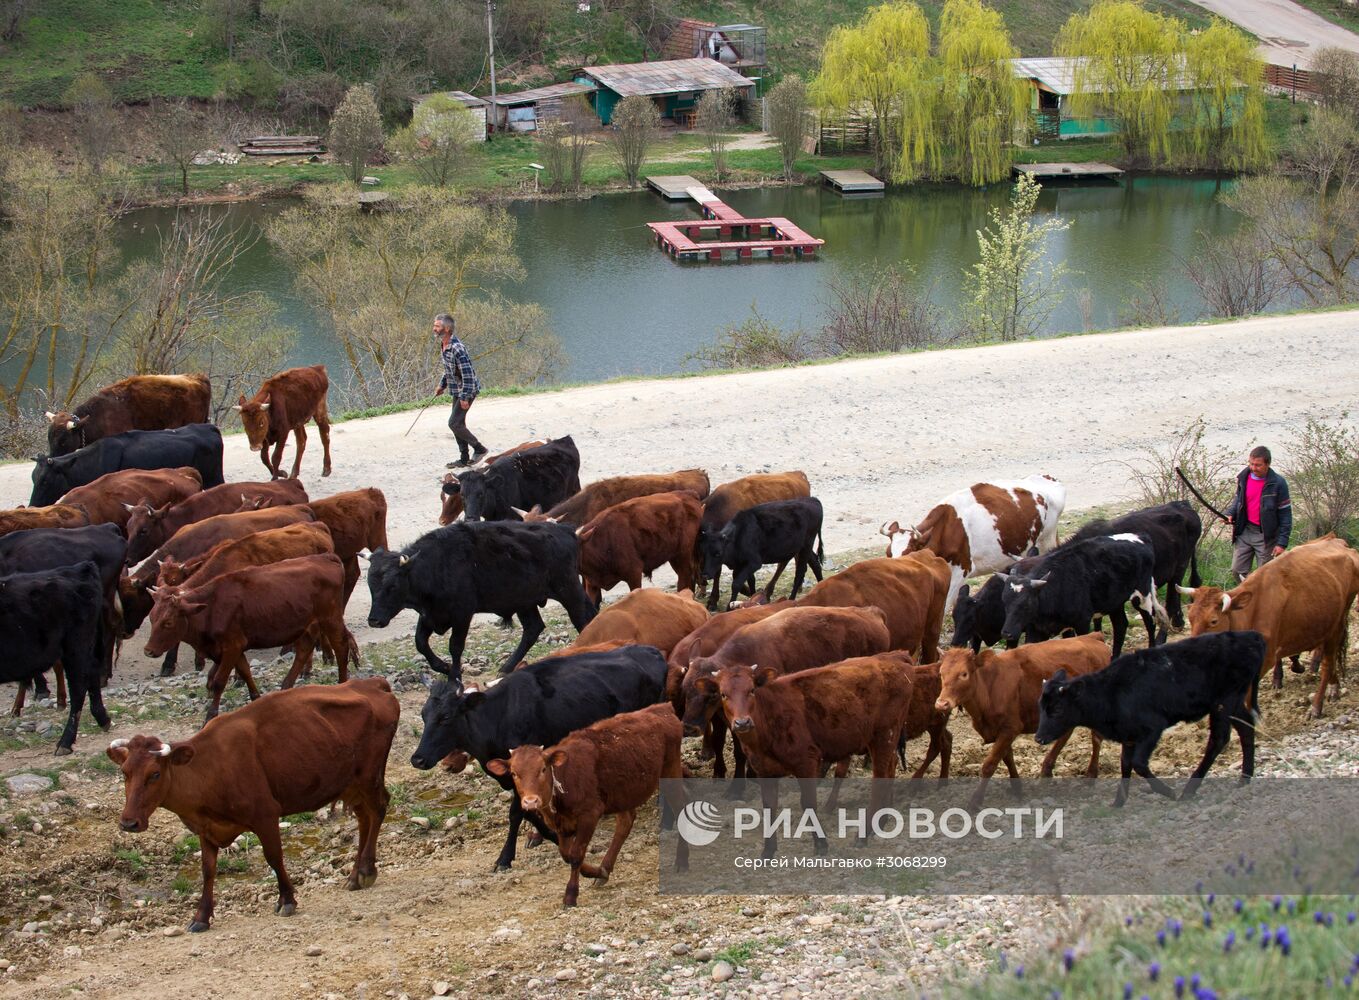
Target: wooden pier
{"x": 724, "y": 233}
{"x": 673, "y": 187}
{"x": 853, "y": 181}
{"x": 1070, "y": 171}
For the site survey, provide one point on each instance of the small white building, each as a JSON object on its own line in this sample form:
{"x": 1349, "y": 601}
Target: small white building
{"x": 476, "y": 105}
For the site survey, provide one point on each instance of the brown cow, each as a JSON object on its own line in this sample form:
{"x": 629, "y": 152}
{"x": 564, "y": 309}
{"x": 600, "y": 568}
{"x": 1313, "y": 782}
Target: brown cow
{"x": 138, "y": 403}
{"x": 357, "y": 521}
{"x": 57, "y": 515}
{"x": 926, "y": 717}
{"x": 911, "y": 592}
{"x": 629, "y": 541}
{"x": 790, "y": 640}
{"x": 796, "y": 725}
{"x": 150, "y": 528}
{"x": 731, "y": 498}
{"x": 599, "y": 496}
{"x": 289, "y": 752}
{"x": 259, "y": 607}
{"x": 113, "y": 497}
{"x": 649, "y": 617}
{"x": 610, "y": 768}
{"x": 706, "y": 639}
{"x": 1000, "y": 692}
{"x": 1298, "y": 601}
{"x": 285, "y": 403}
{"x": 260, "y": 549}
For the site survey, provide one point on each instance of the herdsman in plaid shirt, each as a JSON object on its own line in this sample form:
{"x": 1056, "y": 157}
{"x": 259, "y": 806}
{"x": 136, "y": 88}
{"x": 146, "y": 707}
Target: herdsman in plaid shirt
{"x": 460, "y": 380}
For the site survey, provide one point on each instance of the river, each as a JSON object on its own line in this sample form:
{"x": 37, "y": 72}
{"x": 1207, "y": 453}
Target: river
{"x": 621, "y": 306}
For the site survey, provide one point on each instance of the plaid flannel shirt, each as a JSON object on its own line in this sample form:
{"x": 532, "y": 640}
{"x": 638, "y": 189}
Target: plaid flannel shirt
{"x": 459, "y": 375}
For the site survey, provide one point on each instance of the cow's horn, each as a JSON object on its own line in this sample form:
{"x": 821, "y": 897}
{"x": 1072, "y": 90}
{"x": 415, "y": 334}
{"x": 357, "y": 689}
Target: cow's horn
{"x": 129, "y": 507}
{"x": 1184, "y": 591}
{"x": 237, "y": 409}
{"x": 754, "y": 667}
{"x": 404, "y": 559}
{"x": 49, "y": 414}
{"x": 264, "y": 406}
{"x": 164, "y": 750}
{"x": 153, "y": 591}
{"x": 363, "y": 555}
{"x": 118, "y": 743}
{"x": 70, "y": 425}
{"x": 521, "y": 513}
{"x": 1226, "y": 601}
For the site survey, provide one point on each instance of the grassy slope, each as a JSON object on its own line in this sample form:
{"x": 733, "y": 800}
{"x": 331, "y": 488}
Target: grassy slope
{"x": 148, "y": 48}
{"x": 1336, "y": 11}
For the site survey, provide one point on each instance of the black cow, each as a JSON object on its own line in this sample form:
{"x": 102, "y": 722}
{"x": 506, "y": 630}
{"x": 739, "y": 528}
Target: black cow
{"x": 39, "y": 550}
{"x": 50, "y": 616}
{"x": 452, "y": 573}
{"x": 197, "y": 445}
{"x": 772, "y": 532}
{"x": 979, "y": 620}
{"x": 545, "y": 475}
{"x": 1073, "y": 583}
{"x": 1139, "y": 696}
{"x": 1173, "y": 530}
{"x": 538, "y": 704}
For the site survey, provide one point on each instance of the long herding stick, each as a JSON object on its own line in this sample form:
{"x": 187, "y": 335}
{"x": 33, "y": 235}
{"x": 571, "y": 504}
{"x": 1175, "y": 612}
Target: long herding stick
{"x": 1197, "y": 495}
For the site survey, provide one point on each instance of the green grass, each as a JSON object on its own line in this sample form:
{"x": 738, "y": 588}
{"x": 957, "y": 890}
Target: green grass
{"x": 1336, "y": 11}
{"x": 133, "y": 859}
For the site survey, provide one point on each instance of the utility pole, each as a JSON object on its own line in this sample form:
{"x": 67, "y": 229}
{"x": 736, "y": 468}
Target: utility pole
{"x": 490, "y": 47}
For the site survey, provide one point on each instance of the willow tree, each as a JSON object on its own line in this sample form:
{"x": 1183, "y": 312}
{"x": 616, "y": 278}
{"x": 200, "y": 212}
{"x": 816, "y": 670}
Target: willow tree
{"x": 1227, "y": 81}
{"x": 1129, "y": 69}
{"x": 882, "y": 65}
{"x": 980, "y": 101}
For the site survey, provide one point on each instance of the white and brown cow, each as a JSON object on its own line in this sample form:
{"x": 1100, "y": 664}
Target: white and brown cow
{"x": 985, "y": 528}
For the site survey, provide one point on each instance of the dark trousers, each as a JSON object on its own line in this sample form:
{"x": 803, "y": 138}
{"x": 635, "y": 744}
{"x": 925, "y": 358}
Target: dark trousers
{"x": 457, "y": 423}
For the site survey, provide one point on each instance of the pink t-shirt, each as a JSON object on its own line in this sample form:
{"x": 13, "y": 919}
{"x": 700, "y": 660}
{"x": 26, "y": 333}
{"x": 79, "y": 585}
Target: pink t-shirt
{"x": 1254, "y": 487}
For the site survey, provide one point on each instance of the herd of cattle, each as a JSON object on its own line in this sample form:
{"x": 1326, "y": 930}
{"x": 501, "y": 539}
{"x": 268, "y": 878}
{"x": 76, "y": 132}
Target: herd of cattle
{"x": 132, "y": 521}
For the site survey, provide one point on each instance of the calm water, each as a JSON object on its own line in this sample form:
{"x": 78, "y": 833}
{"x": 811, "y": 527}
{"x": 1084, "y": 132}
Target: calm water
{"x": 621, "y": 306}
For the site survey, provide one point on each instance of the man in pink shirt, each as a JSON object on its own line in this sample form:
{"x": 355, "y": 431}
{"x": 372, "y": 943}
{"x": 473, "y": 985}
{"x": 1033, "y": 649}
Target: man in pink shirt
{"x": 1261, "y": 514}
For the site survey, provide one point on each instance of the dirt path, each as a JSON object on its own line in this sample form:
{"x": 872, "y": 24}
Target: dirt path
{"x": 1289, "y": 33}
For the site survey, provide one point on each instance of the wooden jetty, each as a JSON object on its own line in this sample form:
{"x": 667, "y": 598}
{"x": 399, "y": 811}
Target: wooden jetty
{"x": 853, "y": 181}
{"x": 1071, "y": 171}
{"x": 724, "y": 233}
{"x": 673, "y": 187}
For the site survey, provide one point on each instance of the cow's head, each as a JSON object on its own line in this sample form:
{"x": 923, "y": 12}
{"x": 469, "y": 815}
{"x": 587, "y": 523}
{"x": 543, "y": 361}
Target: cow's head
{"x": 965, "y": 619}
{"x": 1058, "y": 708}
{"x": 532, "y": 770}
{"x": 713, "y": 548}
{"x": 134, "y": 595}
{"x": 902, "y": 540}
{"x": 445, "y": 716}
{"x": 65, "y": 432}
{"x": 450, "y": 492}
{"x": 736, "y": 684}
{"x": 698, "y": 689}
{"x": 957, "y": 673}
{"x": 255, "y": 420}
{"x": 389, "y": 584}
{"x": 148, "y": 764}
{"x": 1211, "y": 608}
{"x": 171, "y": 616}
{"x": 146, "y": 531}
{"x": 1021, "y": 597}
{"x": 475, "y": 494}
{"x": 49, "y": 480}
{"x": 257, "y": 501}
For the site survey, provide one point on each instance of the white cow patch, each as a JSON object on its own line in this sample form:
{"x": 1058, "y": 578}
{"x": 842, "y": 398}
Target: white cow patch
{"x": 1129, "y": 537}
{"x": 1018, "y": 588}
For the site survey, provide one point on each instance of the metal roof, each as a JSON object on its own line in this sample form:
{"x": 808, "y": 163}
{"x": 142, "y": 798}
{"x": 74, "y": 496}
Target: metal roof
{"x": 673, "y": 76}
{"x": 541, "y": 94}
{"x": 461, "y": 96}
{"x": 1058, "y": 73}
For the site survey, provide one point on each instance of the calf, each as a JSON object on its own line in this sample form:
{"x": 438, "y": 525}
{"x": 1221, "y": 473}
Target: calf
{"x": 544, "y": 475}
{"x": 259, "y": 549}
{"x": 926, "y": 717}
{"x": 197, "y": 445}
{"x": 985, "y": 527}
{"x": 999, "y": 691}
{"x": 284, "y": 403}
{"x": 610, "y": 768}
{"x": 357, "y": 520}
{"x": 289, "y": 752}
{"x": 799, "y": 724}
{"x": 113, "y": 497}
{"x": 911, "y": 592}
{"x": 539, "y": 706}
{"x": 148, "y": 528}
{"x": 1072, "y": 584}
{"x": 980, "y": 620}
{"x": 773, "y": 532}
{"x": 1173, "y": 530}
{"x": 53, "y": 516}
{"x": 1298, "y": 601}
{"x": 259, "y": 607}
{"x": 649, "y": 617}
{"x": 629, "y": 541}
{"x": 137, "y": 403}
{"x": 450, "y": 574}
{"x": 599, "y": 496}
{"x": 1142, "y": 694}
{"x": 731, "y": 498}
{"x": 52, "y": 616}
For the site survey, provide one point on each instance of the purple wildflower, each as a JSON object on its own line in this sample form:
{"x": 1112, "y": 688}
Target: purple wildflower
{"x": 1318, "y": 917}
{"x": 1179, "y": 986}
{"x": 1068, "y": 959}
{"x": 1278, "y": 902}
{"x": 1350, "y": 917}
{"x": 1205, "y": 994}
{"x": 1207, "y": 919}
{"x": 1154, "y": 971}
{"x": 1127, "y": 991}
{"x": 1228, "y": 941}
{"x": 1238, "y": 906}
{"x": 1161, "y": 938}
{"x": 1019, "y": 972}
{"x": 1211, "y": 896}
{"x": 1175, "y": 928}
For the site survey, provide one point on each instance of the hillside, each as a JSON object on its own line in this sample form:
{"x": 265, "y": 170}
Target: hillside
{"x": 296, "y": 55}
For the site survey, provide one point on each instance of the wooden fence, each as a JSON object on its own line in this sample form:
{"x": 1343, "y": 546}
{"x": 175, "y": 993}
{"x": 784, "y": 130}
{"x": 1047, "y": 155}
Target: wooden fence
{"x": 1295, "y": 81}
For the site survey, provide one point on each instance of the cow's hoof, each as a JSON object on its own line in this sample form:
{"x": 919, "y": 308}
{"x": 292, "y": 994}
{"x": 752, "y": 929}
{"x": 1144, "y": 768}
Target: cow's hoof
{"x": 534, "y": 839}
{"x": 61, "y": 751}
{"x": 324, "y": 473}
{"x": 167, "y": 671}
{"x": 367, "y": 880}
{"x": 1312, "y": 713}
{"x": 501, "y": 866}
{"x": 285, "y": 909}
{"x": 197, "y": 927}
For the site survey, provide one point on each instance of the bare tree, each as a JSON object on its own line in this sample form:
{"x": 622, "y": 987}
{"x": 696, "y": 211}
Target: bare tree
{"x": 636, "y": 122}
{"x": 1149, "y": 305}
{"x": 714, "y": 117}
{"x": 566, "y": 142}
{"x": 355, "y": 131}
{"x": 881, "y": 310}
{"x": 1235, "y": 276}
{"x": 788, "y": 119}
{"x": 1324, "y": 472}
{"x": 181, "y": 134}
{"x": 96, "y": 124}
{"x": 1337, "y": 73}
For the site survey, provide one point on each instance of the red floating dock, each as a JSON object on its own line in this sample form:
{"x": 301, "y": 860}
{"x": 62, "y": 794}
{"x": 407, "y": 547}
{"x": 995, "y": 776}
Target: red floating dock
{"x": 725, "y": 234}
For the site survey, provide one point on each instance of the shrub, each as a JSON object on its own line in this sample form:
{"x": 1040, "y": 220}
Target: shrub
{"x": 879, "y": 310}
{"x": 1323, "y": 476}
{"x": 755, "y": 343}
{"x": 1211, "y": 470}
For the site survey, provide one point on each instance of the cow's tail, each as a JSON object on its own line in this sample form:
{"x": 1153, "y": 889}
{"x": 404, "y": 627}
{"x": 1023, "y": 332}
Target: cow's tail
{"x": 820, "y": 548}
{"x": 1342, "y": 649}
{"x": 1194, "y": 579}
